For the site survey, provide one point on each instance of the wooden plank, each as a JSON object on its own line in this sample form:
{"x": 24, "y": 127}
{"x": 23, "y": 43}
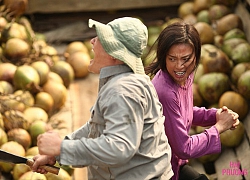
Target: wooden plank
{"x": 243, "y": 154}
{"x": 55, "y": 6}
{"x": 224, "y": 163}
{"x": 83, "y": 93}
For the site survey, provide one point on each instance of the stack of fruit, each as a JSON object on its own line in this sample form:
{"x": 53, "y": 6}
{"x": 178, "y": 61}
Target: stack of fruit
{"x": 34, "y": 82}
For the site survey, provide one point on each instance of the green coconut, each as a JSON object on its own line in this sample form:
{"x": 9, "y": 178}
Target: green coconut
{"x": 198, "y": 73}
{"x": 26, "y": 77}
{"x": 65, "y": 71}
{"x": 234, "y": 33}
{"x": 233, "y": 138}
{"x": 212, "y": 86}
{"x": 238, "y": 70}
{"x": 217, "y": 11}
{"x": 36, "y": 128}
{"x": 241, "y": 53}
{"x": 243, "y": 84}
{"x": 208, "y": 158}
{"x": 230, "y": 44}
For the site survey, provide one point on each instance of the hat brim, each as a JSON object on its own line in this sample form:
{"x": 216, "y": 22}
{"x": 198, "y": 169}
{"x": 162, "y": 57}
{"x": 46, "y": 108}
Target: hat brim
{"x": 115, "y": 48}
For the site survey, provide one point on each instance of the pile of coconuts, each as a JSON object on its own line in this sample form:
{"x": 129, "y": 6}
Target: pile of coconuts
{"x": 34, "y": 82}
{"x": 223, "y": 75}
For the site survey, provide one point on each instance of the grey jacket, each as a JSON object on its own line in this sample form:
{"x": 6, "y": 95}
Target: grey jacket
{"x": 124, "y": 138}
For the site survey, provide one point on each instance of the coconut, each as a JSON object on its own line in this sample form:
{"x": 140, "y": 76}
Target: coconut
{"x": 233, "y": 138}
{"x": 43, "y": 70}
{"x": 19, "y": 170}
{"x": 241, "y": 53}
{"x": 190, "y": 19}
{"x": 217, "y": 11}
{"x": 32, "y": 151}
{"x": 234, "y": 33}
{"x": 3, "y": 23}
{"x": 214, "y": 60}
{"x": 213, "y": 85}
{"x": 202, "y": 16}
{"x": 36, "y": 128}
{"x": 209, "y": 158}
{"x": 30, "y": 175}
{"x": 55, "y": 77}
{"x": 16, "y": 49}
{"x": 62, "y": 175}
{"x": 227, "y": 23}
{"x": 236, "y": 102}
{"x": 79, "y": 61}
{"x": 21, "y": 136}
{"x": 14, "y": 30}
{"x": 7, "y": 71}
{"x": 14, "y": 119}
{"x": 197, "y": 99}
{"x": 206, "y": 32}
{"x": 200, "y": 5}
{"x": 185, "y": 8}
{"x": 45, "y": 101}
{"x": 6, "y": 87}
{"x": 57, "y": 91}
{"x": 24, "y": 97}
{"x": 238, "y": 70}
{"x": 218, "y": 41}
{"x": 230, "y": 44}
{"x": 243, "y": 85}
{"x": 10, "y": 102}
{"x": 50, "y": 51}
{"x": 3, "y": 137}
{"x": 65, "y": 71}
{"x": 75, "y": 46}
{"x": 35, "y": 113}
{"x": 26, "y": 76}
{"x": 14, "y": 148}
{"x": 198, "y": 73}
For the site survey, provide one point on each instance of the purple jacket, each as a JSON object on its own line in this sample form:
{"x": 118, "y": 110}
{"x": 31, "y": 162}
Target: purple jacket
{"x": 180, "y": 114}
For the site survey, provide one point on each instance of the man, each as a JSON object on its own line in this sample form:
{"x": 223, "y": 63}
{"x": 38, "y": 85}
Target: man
{"x": 124, "y": 138}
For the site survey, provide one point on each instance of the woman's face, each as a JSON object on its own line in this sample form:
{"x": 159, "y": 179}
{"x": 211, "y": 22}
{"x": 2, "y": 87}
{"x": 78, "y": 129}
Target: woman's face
{"x": 180, "y": 62}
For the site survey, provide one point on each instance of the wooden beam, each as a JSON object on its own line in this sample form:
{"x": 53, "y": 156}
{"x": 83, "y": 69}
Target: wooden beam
{"x": 59, "y": 6}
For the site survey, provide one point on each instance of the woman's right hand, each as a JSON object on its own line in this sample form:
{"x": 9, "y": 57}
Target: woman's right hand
{"x": 226, "y": 119}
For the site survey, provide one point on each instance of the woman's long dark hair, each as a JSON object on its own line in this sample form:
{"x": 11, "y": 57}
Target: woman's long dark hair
{"x": 176, "y": 33}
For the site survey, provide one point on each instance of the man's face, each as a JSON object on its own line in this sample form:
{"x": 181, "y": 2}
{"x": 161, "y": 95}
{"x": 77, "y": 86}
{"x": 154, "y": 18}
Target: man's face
{"x": 100, "y": 59}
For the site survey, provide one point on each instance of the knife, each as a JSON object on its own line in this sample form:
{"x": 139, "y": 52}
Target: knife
{"x": 12, "y": 158}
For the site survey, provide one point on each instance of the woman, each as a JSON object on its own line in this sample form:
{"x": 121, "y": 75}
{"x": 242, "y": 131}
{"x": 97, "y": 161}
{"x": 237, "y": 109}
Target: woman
{"x": 177, "y": 56}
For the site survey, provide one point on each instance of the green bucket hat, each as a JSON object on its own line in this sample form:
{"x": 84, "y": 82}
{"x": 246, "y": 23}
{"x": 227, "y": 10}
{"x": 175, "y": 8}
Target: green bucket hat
{"x": 124, "y": 39}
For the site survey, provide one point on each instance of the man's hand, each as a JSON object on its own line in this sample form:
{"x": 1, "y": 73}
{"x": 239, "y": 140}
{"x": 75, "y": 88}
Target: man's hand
{"x": 49, "y": 143}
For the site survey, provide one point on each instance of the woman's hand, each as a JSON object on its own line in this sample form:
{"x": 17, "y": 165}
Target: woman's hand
{"x": 40, "y": 160}
{"x": 226, "y": 119}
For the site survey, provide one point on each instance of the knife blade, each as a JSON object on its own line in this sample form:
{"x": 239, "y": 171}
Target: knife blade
{"x": 12, "y": 158}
